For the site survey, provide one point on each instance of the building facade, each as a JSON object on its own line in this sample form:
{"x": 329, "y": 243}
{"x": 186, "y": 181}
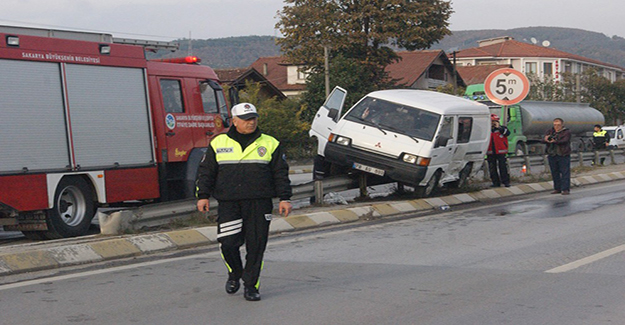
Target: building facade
{"x": 544, "y": 62}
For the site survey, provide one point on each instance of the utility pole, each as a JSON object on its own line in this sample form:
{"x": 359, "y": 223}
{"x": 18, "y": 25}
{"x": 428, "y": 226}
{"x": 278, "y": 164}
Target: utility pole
{"x": 190, "y": 48}
{"x": 579, "y": 88}
{"x": 455, "y": 78}
{"x": 326, "y": 65}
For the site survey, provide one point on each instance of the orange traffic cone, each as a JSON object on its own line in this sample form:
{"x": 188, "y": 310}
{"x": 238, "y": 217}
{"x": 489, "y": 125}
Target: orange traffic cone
{"x": 524, "y": 169}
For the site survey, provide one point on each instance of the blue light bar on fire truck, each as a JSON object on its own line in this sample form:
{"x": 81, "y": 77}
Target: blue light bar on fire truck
{"x": 186, "y": 59}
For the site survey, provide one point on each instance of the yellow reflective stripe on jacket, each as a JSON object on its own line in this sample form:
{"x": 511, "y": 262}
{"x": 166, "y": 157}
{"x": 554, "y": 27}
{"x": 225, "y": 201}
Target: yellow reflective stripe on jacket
{"x": 600, "y": 133}
{"x": 228, "y": 151}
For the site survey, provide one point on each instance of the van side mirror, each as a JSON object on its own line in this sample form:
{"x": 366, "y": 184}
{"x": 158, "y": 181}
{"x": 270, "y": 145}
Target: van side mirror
{"x": 227, "y": 121}
{"x": 333, "y": 113}
{"x": 441, "y": 141}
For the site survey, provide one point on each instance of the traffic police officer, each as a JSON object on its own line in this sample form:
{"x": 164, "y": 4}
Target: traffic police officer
{"x": 244, "y": 169}
{"x": 600, "y": 140}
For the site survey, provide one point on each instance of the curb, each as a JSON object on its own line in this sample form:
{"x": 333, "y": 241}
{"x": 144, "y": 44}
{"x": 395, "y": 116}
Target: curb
{"x": 123, "y": 247}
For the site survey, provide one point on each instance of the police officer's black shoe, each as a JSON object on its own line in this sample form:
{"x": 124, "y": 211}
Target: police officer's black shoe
{"x": 251, "y": 294}
{"x": 232, "y": 286}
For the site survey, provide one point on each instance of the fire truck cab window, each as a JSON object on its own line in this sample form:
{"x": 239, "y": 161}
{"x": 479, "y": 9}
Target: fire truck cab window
{"x": 209, "y": 100}
{"x": 172, "y": 96}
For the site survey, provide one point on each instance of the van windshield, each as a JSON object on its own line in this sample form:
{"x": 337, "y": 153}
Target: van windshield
{"x": 394, "y": 117}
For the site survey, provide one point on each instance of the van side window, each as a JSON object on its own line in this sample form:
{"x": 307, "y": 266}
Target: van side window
{"x": 465, "y": 124}
{"x": 446, "y": 127}
{"x": 172, "y": 96}
{"x": 209, "y": 100}
{"x": 620, "y": 134}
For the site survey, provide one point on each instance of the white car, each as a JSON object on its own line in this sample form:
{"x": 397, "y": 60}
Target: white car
{"x": 617, "y": 136}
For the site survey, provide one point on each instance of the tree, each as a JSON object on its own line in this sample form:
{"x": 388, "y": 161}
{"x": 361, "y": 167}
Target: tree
{"x": 604, "y": 95}
{"x": 281, "y": 119}
{"x": 359, "y": 33}
{"x": 545, "y": 89}
{"x": 599, "y": 92}
{"x": 345, "y": 73}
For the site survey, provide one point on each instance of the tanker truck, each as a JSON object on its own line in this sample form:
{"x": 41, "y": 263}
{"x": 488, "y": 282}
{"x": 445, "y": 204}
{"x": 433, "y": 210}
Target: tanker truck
{"x": 528, "y": 121}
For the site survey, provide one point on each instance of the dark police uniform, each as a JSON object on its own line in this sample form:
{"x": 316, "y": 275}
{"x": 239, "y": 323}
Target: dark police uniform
{"x": 244, "y": 172}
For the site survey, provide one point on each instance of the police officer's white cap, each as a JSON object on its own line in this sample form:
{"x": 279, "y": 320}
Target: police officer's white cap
{"x": 244, "y": 111}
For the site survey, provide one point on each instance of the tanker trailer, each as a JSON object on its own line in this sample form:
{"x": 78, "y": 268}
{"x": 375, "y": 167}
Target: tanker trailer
{"x": 529, "y": 120}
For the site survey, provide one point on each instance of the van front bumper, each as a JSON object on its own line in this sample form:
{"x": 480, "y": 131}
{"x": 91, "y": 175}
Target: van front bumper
{"x": 394, "y": 168}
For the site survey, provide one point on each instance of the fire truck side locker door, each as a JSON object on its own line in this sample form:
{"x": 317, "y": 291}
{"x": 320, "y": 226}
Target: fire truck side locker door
{"x": 33, "y": 131}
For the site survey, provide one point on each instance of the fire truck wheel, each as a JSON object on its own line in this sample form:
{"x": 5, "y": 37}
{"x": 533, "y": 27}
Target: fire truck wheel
{"x": 73, "y": 209}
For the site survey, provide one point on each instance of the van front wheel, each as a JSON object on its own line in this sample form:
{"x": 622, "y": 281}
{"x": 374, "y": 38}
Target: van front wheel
{"x": 463, "y": 177}
{"x": 431, "y": 186}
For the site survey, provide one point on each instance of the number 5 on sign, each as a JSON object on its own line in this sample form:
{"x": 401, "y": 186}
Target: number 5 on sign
{"x": 506, "y": 86}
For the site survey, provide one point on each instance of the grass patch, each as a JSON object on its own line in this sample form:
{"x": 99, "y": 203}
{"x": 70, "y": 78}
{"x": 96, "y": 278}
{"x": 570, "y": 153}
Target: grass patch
{"x": 531, "y": 178}
{"x": 195, "y": 219}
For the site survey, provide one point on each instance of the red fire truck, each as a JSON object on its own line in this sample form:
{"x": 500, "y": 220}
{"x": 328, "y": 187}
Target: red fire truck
{"x": 87, "y": 121}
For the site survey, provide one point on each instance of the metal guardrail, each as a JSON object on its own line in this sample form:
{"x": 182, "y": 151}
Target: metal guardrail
{"x": 159, "y": 214}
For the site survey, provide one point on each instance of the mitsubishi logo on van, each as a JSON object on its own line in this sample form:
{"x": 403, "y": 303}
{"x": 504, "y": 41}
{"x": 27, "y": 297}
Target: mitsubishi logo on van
{"x": 378, "y": 145}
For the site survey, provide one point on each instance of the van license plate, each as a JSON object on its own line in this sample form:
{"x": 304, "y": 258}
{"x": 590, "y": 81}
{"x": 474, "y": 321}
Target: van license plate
{"x": 369, "y": 169}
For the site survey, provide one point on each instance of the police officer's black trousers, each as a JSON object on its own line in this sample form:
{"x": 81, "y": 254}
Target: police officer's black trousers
{"x": 239, "y": 222}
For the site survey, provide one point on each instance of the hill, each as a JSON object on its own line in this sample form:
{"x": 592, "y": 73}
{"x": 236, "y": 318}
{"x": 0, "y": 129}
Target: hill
{"x": 231, "y": 52}
{"x": 588, "y": 44}
{"x": 237, "y": 52}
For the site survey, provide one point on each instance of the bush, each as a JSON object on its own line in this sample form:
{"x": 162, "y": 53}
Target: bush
{"x": 282, "y": 120}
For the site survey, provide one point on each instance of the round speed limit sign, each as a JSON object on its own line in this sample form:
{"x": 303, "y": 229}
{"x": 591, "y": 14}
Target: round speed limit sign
{"x": 506, "y": 86}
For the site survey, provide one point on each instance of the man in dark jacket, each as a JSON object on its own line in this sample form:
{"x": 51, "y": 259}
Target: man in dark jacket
{"x": 244, "y": 169}
{"x": 558, "y": 140}
{"x": 497, "y": 151}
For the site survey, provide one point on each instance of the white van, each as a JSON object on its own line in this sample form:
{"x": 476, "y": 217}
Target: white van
{"x": 416, "y": 137}
{"x": 617, "y": 136}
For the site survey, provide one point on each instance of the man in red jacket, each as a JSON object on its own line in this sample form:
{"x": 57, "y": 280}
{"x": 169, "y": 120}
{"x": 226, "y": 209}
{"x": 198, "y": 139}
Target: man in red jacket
{"x": 497, "y": 151}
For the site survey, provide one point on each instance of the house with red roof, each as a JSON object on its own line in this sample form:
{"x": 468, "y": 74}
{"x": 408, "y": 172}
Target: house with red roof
{"x": 285, "y": 76}
{"x": 416, "y": 69}
{"x": 476, "y": 74}
{"x": 237, "y": 78}
{"x": 545, "y": 62}
{"x": 427, "y": 69}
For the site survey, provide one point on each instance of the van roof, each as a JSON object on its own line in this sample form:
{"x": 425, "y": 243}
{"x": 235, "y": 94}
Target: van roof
{"x": 432, "y": 101}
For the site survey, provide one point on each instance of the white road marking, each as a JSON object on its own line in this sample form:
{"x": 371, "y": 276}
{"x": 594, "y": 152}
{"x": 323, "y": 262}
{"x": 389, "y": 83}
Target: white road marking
{"x": 587, "y": 260}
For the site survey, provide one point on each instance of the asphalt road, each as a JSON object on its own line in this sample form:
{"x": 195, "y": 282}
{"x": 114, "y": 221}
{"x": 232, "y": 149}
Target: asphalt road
{"x": 544, "y": 259}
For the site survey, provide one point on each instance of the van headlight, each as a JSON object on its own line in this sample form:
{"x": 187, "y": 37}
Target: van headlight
{"x": 411, "y": 159}
{"x": 414, "y": 159}
{"x": 344, "y": 141}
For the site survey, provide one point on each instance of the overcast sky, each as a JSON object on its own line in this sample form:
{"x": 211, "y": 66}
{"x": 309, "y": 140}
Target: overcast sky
{"x": 169, "y": 19}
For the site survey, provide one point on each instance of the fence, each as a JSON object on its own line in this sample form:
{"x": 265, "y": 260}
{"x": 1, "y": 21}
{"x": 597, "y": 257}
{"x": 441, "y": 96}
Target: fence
{"x": 163, "y": 213}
